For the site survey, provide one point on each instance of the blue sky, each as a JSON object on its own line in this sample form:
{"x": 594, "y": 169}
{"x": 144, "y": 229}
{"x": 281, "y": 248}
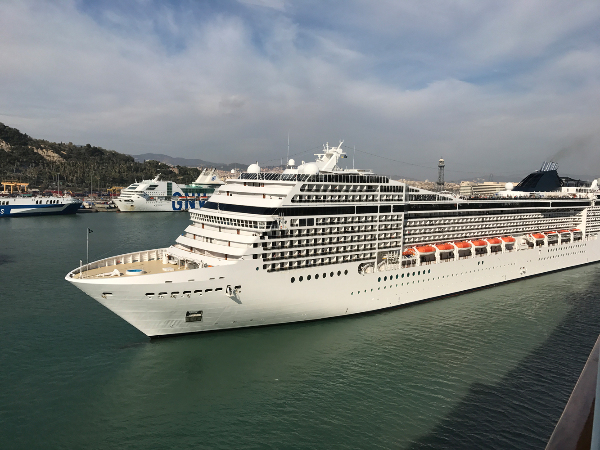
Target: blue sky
{"x": 494, "y": 87}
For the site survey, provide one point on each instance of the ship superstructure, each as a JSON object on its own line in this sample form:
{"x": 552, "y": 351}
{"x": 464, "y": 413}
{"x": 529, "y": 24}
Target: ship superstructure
{"x": 319, "y": 241}
{"x": 167, "y": 196}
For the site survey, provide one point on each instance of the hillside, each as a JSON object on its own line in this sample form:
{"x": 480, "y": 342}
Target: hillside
{"x": 174, "y": 161}
{"x": 37, "y": 162}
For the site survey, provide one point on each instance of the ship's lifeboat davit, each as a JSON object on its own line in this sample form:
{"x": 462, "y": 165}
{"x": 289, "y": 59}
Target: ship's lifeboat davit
{"x": 444, "y": 247}
{"x": 426, "y": 250}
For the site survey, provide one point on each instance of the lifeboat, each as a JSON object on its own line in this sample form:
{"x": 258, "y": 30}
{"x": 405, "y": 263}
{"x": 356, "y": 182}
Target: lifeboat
{"x": 408, "y": 252}
{"x": 576, "y": 230}
{"x": 508, "y": 239}
{"x": 479, "y": 243}
{"x": 494, "y": 241}
{"x": 463, "y": 245}
{"x": 445, "y": 247}
{"x": 426, "y": 250}
{"x": 538, "y": 236}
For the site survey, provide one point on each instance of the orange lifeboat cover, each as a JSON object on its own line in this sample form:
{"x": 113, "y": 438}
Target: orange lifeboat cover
{"x": 426, "y": 249}
{"x": 479, "y": 243}
{"x": 445, "y": 247}
{"x": 575, "y": 229}
{"x": 463, "y": 244}
{"x": 494, "y": 241}
{"x": 550, "y": 232}
{"x": 564, "y": 231}
{"x": 508, "y": 239}
{"x": 408, "y": 252}
{"x": 538, "y": 236}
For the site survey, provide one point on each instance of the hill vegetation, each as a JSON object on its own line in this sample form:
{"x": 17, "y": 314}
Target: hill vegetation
{"x": 39, "y": 163}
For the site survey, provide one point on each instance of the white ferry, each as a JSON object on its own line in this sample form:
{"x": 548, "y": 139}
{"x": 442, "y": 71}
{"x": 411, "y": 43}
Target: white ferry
{"x": 156, "y": 195}
{"x": 18, "y": 206}
{"x": 319, "y": 241}
{"x": 18, "y": 202}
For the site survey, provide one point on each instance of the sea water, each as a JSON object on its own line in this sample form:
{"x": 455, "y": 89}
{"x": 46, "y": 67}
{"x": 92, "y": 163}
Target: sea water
{"x": 491, "y": 369}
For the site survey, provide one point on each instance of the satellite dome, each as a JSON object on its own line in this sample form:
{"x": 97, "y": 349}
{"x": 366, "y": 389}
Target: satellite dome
{"x": 311, "y": 168}
{"x": 253, "y": 168}
{"x": 291, "y": 162}
{"x": 509, "y": 186}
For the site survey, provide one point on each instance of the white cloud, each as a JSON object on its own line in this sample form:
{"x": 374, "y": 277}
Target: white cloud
{"x": 494, "y": 88}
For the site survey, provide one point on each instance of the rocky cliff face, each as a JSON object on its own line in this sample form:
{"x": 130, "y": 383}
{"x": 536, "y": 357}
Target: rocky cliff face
{"x": 49, "y": 155}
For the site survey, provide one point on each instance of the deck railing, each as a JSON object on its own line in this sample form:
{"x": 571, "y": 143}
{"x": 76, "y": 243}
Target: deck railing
{"x": 127, "y": 258}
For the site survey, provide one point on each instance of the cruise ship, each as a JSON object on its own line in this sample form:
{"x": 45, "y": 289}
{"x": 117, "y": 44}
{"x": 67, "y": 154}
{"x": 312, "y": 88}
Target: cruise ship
{"x": 167, "y": 196}
{"x": 319, "y": 241}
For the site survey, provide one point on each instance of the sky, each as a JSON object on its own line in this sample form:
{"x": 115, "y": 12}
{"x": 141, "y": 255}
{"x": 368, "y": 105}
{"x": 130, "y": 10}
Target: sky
{"x": 493, "y": 87}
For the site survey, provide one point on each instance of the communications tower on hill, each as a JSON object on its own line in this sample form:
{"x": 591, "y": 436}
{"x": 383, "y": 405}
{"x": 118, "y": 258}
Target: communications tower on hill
{"x": 440, "y": 181}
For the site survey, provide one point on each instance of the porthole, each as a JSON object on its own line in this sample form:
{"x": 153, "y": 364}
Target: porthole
{"x": 316, "y": 276}
{"x": 293, "y": 279}
{"x": 339, "y": 272}
{"x": 429, "y": 271}
{"x": 402, "y": 275}
{"x": 331, "y": 274}
{"x": 379, "y": 279}
{"x": 384, "y": 278}
{"x": 308, "y": 277}
{"x": 413, "y": 274}
{"x": 346, "y": 272}
{"x": 324, "y": 275}
{"x": 396, "y": 276}
{"x": 300, "y": 278}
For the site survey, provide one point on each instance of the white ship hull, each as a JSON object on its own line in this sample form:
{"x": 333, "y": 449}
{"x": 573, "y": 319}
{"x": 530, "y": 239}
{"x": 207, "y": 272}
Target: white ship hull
{"x": 37, "y": 206}
{"x": 140, "y": 204}
{"x": 271, "y": 298}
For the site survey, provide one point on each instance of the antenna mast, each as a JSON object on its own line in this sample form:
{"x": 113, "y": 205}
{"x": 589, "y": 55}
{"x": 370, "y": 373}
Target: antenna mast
{"x": 288, "y": 155}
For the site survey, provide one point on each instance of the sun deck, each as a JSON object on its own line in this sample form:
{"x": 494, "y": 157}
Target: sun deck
{"x": 133, "y": 264}
{"x": 127, "y": 269}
